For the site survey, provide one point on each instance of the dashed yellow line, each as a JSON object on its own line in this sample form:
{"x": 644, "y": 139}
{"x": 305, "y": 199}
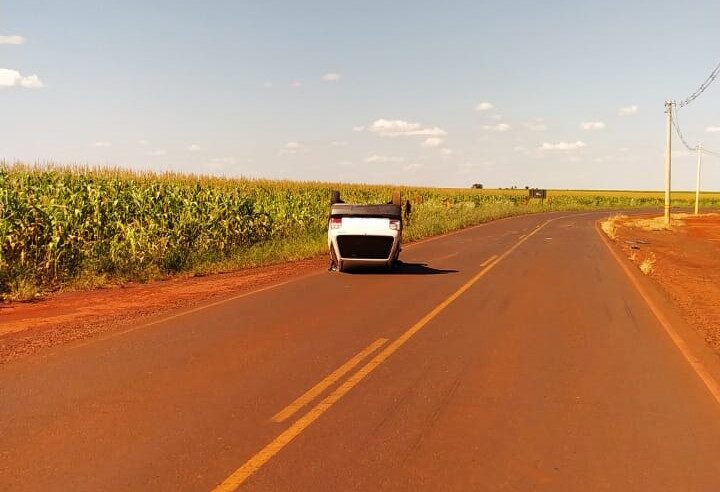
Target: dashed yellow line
{"x": 316, "y": 390}
{"x": 276, "y": 445}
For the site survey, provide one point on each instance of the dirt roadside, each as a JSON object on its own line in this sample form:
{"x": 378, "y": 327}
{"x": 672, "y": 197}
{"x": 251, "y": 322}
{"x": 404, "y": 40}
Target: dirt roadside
{"x": 684, "y": 261}
{"x": 27, "y": 327}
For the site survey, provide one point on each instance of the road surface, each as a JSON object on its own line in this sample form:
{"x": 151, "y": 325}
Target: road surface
{"x": 513, "y": 356}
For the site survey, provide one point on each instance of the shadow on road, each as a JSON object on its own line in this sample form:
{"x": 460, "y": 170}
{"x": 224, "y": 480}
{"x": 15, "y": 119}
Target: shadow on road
{"x": 402, "y": 268}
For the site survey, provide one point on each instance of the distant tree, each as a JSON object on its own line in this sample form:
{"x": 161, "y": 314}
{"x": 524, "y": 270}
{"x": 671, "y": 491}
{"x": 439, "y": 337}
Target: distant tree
{"x": 478, "y": 186}
{"x": 527, "y": 187}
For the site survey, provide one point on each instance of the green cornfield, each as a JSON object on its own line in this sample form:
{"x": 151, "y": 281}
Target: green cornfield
{"x": 60, "y": 224}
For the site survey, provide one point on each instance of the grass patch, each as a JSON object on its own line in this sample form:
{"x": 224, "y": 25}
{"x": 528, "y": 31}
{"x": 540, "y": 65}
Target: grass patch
{"x": 609, "y": 225}
{"x": 658, "y": 223}
{"x": 268, "y": 253}
{"x": 22, "y": 289}
{"x": 647, "y": 266}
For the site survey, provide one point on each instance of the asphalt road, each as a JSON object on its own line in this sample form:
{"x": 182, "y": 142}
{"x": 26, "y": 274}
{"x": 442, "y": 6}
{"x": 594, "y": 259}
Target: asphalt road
{"x": 506, "y": 357}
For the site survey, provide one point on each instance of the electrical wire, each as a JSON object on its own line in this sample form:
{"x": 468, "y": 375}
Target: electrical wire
{"x": 711, "y": 152}
{"x": 681, "y": 136}
{"x": 679, "y": 132}
{"x": 675, "y": 121}
{"x": 703, "y": 87}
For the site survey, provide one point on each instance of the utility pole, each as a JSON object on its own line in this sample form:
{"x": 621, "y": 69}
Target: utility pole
{"x": 697, "y": 187}
{"x": 668, "y": 159}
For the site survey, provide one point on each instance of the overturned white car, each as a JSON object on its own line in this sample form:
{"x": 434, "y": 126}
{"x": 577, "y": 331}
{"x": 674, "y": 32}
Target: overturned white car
{"x": 364, "y": 235}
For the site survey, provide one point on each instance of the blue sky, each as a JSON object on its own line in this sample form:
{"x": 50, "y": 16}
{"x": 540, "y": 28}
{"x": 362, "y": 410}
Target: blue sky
{"x": 363, "y": 91}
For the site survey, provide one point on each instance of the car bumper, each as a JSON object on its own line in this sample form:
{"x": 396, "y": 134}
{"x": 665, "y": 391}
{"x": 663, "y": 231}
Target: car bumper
{"x": 353, "y": 250}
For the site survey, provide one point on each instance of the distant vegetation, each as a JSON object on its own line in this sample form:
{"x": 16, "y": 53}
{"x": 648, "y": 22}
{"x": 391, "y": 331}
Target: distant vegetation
{"x": 82, "y": 227}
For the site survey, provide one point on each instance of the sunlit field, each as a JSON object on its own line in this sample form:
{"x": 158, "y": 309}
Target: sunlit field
{"x": 80, "y": 227}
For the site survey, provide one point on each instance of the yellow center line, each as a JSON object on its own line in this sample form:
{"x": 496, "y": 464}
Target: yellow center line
{"x": 316, "y": 390}
{"x": 276, "y": 445}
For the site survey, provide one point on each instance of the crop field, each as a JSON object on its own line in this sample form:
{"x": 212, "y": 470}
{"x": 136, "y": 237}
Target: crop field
{"x": 79, "y": 227}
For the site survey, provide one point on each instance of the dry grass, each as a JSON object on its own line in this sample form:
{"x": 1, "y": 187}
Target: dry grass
{"x": 609, "y": 226}
{"x": 658, "y": 223}
{"x": 23, "y": 290}
{"x": 647, "y": 266}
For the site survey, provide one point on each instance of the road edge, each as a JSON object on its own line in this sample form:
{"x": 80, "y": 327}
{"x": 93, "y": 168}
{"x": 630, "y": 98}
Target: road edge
{"x": 701, "y": 358}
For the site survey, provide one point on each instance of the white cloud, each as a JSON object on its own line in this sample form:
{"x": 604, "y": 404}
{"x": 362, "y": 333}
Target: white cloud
{"x": 267, "y": 84}
{"x": 13, "y": 78}
{"x": 12, "y": 39}
{"x": 536, "y": 125}
{"x": 628, "y": 110}
{"x": 412, "y": 167}
{"x": 500, "y": 127}
{"x": 359, "y": 128}
{"x": 470, "y": 167}
{"x": 563, "y": 146}
{"x": 713, "y": 129}
{"x": 158, "y": 153}
{"x": 219, "y": 163}
{"x": 432, "y": 142}
{"x": 331, "y": 77}
{"x": 484, "y": 106}
{"x": 143, "y": 142}
{"x": 592, "y": 125}
{"x": 292, "y": 148}
{"x": 446, "y": 153}
{"x": 32, "y": 82}
{"x": 338, "y": 143}
{"x": 384, "y": 158}
{"x": 496, "y": 117}
{"x": 193, "y": 147}
{"x": 102, "y": 144}
{"x": 401, "y": 128}
{"x": 296, "y": 83}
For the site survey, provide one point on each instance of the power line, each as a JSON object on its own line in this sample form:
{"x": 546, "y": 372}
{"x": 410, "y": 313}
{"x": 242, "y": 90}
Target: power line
{"x": 679, "y": 132}
{"x": 703, "y": 87}
{"x": 673, "y": 122}
{"x": 711, "y": 152}
{"x": 681, "y": 136}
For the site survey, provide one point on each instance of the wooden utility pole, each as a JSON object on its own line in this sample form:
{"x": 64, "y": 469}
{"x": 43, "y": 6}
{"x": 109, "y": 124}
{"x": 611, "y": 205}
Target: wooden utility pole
{"x": 697, "y": 186}
{"x": 668, "y": 159}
